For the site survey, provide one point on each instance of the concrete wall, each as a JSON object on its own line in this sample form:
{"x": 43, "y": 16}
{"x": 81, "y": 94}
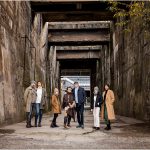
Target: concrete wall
{"x": 131, "y": 68}
{"x": 17, "y": 56}
{"x": 52, "y": 72}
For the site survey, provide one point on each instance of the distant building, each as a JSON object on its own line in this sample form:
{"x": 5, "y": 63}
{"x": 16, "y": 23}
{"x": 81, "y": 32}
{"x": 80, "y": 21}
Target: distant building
{"x": 84, "y": 81}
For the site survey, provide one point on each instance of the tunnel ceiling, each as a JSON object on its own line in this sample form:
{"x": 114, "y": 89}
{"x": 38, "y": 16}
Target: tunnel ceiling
{"x": 79, "y": 33}
{"x": 54, "y": 11}
{"x": 76, "y": 23}
{"x": 71, "y": 67}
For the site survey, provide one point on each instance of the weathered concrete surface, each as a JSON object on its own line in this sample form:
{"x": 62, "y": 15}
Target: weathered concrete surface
{"x": 126, "y": 133}
{"x": 22, "y": 56}
{"x": 130, "y": 71}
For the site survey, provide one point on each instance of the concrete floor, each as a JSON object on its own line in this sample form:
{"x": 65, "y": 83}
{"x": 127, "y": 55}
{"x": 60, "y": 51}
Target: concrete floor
{"x": 126, "y": 133}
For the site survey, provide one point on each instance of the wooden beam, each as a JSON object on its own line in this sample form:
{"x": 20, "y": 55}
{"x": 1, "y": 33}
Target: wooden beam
{"x": 72, "y": 11}
{"x": 79, "y": 48}
{"x": 79, "y": 37}
{"x": 77, "y": 16}
{"x": 78, "y": 55}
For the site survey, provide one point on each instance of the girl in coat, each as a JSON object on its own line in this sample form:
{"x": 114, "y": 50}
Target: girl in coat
{"x": 107, "y": 111}
{"x": 69, "y": 107}
{"x": 56, "y": 108}
{"x": 95, "y": 107}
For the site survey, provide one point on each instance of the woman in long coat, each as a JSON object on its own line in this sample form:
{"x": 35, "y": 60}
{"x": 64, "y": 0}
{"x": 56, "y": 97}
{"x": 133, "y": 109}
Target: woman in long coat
{"x": 56, "y": 108}
{"x": 107, "y": 109}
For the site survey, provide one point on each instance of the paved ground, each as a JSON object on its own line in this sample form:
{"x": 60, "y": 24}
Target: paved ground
{"x": 125, "y": 133}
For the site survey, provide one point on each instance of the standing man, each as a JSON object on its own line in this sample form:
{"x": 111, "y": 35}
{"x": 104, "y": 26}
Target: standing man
{"x": 29, "y": 101}
{"x": 80, "y": 97}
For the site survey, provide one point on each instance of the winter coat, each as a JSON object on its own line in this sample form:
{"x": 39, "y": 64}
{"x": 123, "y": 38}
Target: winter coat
{"x": 109, "y": 105}
{"x": 98, "y": 103}
{"x": 81, "y": 95}
{"x": 43, "y": 99}
{"x": 30, "y": 96}
{"x": 56, "y": 108}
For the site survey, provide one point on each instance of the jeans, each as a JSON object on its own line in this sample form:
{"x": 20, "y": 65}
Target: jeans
{"x": 32, "y": 109}
{"x": 80, "y": 113}
{"x": 39, "y": 114}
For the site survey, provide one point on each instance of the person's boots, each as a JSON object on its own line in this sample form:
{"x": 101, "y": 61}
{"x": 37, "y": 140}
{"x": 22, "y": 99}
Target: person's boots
{"x": 108, "y": 126}
{"x": 56, "y": 125}
{"x": 39, "y": 124}
{"x": 27, "y": 121}
{"x": 36, "y": 121}
{"x": 52, "y": 125}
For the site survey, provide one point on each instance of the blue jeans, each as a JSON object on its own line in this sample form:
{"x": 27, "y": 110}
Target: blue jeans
{"x": 39, "y": 114}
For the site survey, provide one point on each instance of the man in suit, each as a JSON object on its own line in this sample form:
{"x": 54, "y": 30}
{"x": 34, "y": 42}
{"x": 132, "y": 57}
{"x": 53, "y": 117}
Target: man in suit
{"x": 80, "y": 97}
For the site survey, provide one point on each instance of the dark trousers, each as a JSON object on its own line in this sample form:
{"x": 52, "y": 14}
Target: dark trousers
{"x": 107, "y": 121}
{"x": 54, "y": 118}
{"x": 28, "y": 118}
{"x": 80, "y": 113}
{"x": 67, "y": 120}
{"x": 39, "y": 114}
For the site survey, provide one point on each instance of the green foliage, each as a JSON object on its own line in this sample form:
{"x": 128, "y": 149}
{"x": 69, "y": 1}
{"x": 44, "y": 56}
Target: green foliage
{"x": 136, "y": 13}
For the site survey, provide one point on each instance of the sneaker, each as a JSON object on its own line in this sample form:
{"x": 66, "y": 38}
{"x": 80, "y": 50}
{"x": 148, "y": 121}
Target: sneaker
{"x": 78, "y": 126}
{"x": 82, "y": 126}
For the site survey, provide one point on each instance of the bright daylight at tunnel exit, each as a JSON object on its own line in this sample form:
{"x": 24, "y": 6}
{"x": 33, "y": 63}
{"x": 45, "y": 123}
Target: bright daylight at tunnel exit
{"x": 74, "y": 74}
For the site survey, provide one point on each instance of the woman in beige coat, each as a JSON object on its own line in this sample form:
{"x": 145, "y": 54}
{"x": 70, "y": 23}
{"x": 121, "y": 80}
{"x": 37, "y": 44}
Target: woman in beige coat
{"x": 56, "y": 108}
{"x": 107, "y": 109}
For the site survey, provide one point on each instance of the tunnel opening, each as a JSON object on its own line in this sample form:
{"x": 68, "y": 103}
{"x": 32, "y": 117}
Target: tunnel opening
{"x": 76, "y": 50}
{"x": 83, "y": 71}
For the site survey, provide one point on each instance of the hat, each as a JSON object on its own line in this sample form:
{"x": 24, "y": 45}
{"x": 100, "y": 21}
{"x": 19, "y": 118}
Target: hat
{"x": 33, "y": 82}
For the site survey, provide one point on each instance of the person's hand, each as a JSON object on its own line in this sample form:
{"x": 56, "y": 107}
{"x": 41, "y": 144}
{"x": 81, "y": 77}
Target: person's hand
{"x": 91, "y": 110}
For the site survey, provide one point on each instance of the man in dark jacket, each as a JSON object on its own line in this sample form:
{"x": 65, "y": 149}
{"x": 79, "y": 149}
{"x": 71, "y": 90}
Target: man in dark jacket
{"x": 80, "y": 97}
